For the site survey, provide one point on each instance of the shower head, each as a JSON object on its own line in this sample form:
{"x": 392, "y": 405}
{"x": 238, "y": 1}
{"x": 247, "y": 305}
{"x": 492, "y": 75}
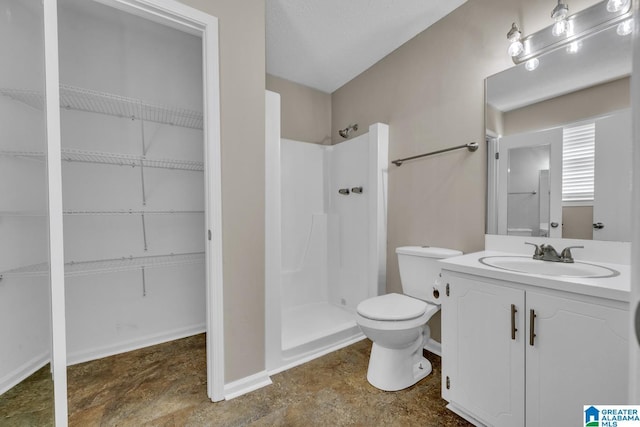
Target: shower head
{"x": 346, "y": 131}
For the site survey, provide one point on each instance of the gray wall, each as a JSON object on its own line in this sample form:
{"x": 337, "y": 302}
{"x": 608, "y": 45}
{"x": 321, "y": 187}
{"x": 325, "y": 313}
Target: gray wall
{"x": 305, "y": 112}
{"x": 580, "y": 105}
{"x": 431, "y": 93}
{"x": 242, "y": 86}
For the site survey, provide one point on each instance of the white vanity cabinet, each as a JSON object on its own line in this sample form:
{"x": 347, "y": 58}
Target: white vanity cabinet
{"x": 515, "y": 355}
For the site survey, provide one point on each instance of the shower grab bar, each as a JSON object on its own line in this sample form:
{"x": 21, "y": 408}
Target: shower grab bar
{"x": 472, "y": 146}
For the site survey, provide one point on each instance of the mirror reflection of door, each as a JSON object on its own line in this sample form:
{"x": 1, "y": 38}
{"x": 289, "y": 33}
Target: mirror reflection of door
{"x": 613, "y": 170}
{"x": 529, "y": 184}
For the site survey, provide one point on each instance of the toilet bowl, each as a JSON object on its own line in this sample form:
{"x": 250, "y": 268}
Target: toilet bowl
{"x": 397, "y": 323}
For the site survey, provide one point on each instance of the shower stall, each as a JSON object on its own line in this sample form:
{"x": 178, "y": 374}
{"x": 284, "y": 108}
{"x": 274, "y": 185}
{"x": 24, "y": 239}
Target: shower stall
{"x": 325, "y": 239}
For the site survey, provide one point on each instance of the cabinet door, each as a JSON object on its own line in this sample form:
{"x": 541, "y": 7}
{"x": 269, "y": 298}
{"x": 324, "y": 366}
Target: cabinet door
{"x": 579, "y": 357}
{"x": 483, "y": 364}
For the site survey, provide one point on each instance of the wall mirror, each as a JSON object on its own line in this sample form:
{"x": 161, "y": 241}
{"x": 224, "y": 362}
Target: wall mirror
{"x": 559, "y": 143}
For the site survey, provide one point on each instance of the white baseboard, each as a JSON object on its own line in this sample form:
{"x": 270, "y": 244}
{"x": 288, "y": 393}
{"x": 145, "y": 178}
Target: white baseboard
{"x": 463, "y": 414}
{"x": 309, "y": 357}
{"x": 246, "y": 385}
{"x": 434, "y": 347}
{"x": 23, "y": 371}
{"x": 86, "y": 355}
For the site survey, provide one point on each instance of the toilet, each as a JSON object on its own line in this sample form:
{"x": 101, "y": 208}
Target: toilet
{"x": 397, "y": 323}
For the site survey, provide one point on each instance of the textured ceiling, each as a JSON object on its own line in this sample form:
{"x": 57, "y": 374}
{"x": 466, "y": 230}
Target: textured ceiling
{"x": 325, "y": 43}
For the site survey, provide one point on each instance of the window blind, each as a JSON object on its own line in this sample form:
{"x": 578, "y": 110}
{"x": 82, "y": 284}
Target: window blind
{"x": 578, "y": 162}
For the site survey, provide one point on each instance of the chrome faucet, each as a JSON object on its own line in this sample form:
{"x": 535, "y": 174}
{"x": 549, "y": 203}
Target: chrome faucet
{"x": 546, "y": 252}
{"x": 566, "y": 256}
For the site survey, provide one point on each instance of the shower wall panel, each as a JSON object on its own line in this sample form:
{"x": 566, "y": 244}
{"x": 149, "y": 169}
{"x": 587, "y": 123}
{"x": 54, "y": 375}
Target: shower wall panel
{"x": 304, "y": 224}
{"x": 349, "y": 219}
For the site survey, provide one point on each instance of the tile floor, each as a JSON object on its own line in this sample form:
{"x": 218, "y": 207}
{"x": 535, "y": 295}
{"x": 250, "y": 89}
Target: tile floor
{"x": 164, "y": 385}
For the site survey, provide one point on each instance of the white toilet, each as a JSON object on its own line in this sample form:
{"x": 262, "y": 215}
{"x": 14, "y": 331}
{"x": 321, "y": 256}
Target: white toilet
{"x": 397, "y": 324}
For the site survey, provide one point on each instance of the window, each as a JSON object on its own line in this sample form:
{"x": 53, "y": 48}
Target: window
{"x": 578, "y": 163}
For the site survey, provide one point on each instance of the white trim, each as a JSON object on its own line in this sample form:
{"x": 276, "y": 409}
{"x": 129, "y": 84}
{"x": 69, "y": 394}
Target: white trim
{"x": 434, "y": 347}
{"x": 378, "y": 181}
{"x": 56, "y": 231}
{"x": 273, "y": 233}
{"x": 23, "y": 371}
{"x": 634, "y": 327}
{"x": 569, "y": 203}
{"x": 177, "y": 15}
{"x": 316, "y": 355}
{"x": 493, "y": 150}
{"x": 246, "y": 385}
{"x": 213, "y": 200}
{"x": 206, "y": 26}
{"x": 463, "y": 414}
{"x": 130, "y": 345}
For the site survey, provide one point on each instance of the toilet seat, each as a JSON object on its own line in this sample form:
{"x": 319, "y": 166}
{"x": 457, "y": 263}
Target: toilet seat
{"x": 392, "y": 307}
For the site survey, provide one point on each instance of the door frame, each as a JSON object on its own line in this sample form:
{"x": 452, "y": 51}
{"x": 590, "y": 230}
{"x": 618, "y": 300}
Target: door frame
{"x": 544, "y": 137}
{"x": 196, "y": 22}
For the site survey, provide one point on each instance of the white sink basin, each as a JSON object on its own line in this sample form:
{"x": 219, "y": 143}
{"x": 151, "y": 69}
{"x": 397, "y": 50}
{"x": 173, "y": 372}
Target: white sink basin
{"x": 523, "y": 264}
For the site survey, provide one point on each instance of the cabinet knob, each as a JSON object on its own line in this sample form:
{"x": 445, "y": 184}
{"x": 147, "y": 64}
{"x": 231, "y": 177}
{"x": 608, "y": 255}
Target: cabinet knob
{"x": 598, "y": 226}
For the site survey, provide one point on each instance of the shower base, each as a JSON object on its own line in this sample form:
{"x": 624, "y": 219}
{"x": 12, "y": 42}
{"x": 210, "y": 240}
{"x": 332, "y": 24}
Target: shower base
{"x": 313, "y": 330}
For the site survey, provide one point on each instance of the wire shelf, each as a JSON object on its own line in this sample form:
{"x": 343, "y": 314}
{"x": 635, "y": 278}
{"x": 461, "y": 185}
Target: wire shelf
{"x": 132, "y": 212}
{"x": 22, "y": 213}
{"x": 73, "y": 155}
{"x": 74, "y": 98}
{"x": 26, "y": 154}
{"x": 111, "y": 212}
{"x": 83, "y": 156}
{"x": 72, "y": 269}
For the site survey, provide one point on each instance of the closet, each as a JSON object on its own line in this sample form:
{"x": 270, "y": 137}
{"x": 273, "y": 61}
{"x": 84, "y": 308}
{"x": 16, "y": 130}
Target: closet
{"x": 137, "y": 181}
{"x": 132, "y": 180}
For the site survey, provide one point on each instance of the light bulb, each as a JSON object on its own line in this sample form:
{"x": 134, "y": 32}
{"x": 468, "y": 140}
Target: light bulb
{"x": 559, "y": 28}
{"x": 625, "y": 28}
{"x": 532, "y": 64}
{"x": 617, "y": 5}
{"x": 560, "y": 11}
{"x": 515, "y": 48}
{"x": 573, "y": 47}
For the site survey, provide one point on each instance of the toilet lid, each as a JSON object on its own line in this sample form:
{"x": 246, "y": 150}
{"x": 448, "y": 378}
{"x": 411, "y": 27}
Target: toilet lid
{"x": 392, "y": 307}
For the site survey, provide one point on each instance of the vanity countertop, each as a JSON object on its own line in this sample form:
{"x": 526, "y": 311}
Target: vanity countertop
{"x": 614, "y": 288}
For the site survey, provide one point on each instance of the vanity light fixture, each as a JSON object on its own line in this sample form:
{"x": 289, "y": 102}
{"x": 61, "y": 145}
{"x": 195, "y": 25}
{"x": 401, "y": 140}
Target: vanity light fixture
{"x": 532, "y": 64}
{"x": 573, "y": 47}
{"x": 625, "y": 27}
{"x": 514, "y": 35}
{"x": 559, "y": 14}
{"x": 617, "y": 5}
{"x": 602, "y": 15}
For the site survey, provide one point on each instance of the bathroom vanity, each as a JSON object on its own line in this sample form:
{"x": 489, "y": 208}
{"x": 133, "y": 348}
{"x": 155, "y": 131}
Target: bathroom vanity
{"x": 531, "y": 349}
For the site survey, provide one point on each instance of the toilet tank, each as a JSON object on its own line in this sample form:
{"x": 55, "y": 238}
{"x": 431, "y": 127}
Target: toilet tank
{"x": 419, "y": 269}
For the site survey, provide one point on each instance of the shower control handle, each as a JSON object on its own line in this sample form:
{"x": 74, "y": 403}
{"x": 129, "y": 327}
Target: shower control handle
{"x": 344, "y": 191}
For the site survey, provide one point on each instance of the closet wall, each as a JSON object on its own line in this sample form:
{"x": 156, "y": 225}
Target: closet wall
{"x": 24, "y": 298}
{"x": 150, "y": 209}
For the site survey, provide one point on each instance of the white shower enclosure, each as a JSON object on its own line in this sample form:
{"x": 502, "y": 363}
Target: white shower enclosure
{"x": 325, "y": 241}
